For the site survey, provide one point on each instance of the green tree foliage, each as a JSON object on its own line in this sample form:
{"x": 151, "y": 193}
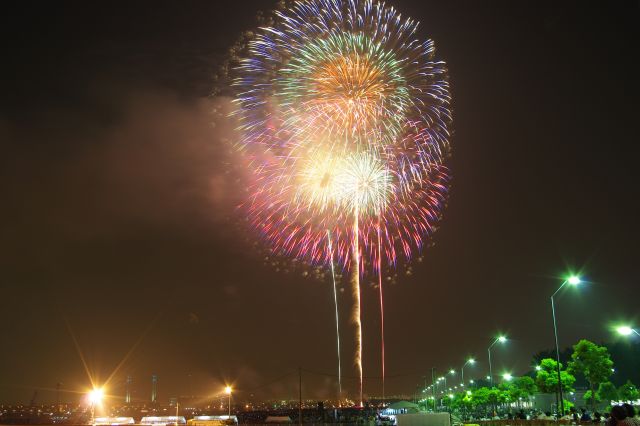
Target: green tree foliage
{"x": 461, "y": 401}
{"x": 504, "y": 395}
{"x": 524, "y": 387}
{"x": 480, "y": 397}
{"x": 547, "y": 377}
{"x": 628, "y": 392}
{"x": 589, "y": 398}
{"x": 593, "y": 362}
{"x": 607, "y": 392}
{"x": 568, "y": 404}
{"x": 485, "y": 396}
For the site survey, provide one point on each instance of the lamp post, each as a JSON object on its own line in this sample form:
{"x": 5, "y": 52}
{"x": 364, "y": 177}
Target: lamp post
{"x": 500, "y": 339}
{"x": 228, "y": 391}
{"x": 625, "y": 330}
{"x": 469, "y": 361}
{"x": 443, "y": 379}
{"x": 433, "y": 388}
{"x": 574, "y": 281}
{"x": 95, "y": 398}
{"x": 453, "y": 373}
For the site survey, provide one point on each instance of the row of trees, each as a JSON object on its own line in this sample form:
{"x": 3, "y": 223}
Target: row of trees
{"x": 588, "y": 360}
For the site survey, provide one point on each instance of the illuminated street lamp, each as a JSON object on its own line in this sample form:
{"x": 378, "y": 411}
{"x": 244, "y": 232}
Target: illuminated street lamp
{"x": 228, "y": 391}
{"x": 500, "y": 339}
{"x": 573, "y": 281}
{"x": 625, "y": 330}
{"x": 95, "y": 398}
{"x": 444, "y": 379}
{"x": 507, "y": 376}
{"x": 469, "y": 361}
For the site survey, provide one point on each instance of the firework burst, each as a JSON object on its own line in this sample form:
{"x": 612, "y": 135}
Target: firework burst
{"x": 344, "y": 116}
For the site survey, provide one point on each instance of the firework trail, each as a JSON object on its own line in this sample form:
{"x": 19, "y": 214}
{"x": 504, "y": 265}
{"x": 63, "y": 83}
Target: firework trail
{"x": 357, "y": 313}
{"x": 381, "y": 313}
{"x": 344, "y": 119}
{"x": 335, "y": 301}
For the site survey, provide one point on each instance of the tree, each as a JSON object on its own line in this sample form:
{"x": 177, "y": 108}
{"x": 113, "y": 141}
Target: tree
{"x": 504, "y": 393}
{"x": 568, "y": 404}
{"x": 589, "y": 398}
{"x": 484, "y": 396}
{"x": 516, "y": 390}
{"x": 547, "y": 377}
{"x": 480, "y": 397}
{"x": 628, "y": 392}
{"x": 607, "y": 392}
{"x": 524, "y": 387}
{"x": 593, "y": 362}
{"x": 461, "y": 401}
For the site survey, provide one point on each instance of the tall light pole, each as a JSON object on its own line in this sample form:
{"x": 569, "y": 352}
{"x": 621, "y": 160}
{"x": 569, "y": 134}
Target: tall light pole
{"x": 433, "y": 387}
{"x": 95, "y": 398}
{"x": 228, "y": 391}
{"x": 500, "y": 339}
{"x": 574, "y": 281}
{"x": 625, "y": 330}
{"x": 453, "y": 373}
{"x": 469, "y": 361}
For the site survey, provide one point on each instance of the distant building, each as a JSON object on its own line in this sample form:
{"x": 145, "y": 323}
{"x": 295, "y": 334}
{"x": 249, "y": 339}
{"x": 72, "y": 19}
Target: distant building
{"x": 127, "y": 396}
{"x": 154, "y": 389}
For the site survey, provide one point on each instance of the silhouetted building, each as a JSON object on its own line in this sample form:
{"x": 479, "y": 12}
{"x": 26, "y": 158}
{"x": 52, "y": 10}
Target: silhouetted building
{"x": 154, "y": 388}
{"x": 127, "y": 396}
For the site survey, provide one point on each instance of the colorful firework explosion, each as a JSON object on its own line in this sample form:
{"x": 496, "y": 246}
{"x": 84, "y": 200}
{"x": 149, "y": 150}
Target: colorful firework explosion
{"x": 345, "y": 121}
{"x": 342, "y": 107}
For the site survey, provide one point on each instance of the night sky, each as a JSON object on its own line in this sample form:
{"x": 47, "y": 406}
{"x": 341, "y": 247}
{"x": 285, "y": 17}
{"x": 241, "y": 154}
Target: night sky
{"x": 118, "y": 223}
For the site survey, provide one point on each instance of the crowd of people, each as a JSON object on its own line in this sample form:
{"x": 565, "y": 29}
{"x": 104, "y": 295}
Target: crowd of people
{"x": 619, "y": 415}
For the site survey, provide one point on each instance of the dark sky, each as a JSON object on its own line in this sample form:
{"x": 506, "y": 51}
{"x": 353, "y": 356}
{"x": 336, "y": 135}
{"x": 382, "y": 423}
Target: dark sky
{"x": 117, "y": 223}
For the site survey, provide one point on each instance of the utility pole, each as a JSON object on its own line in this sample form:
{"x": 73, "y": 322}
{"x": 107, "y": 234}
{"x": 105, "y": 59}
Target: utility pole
{"x": 433, "y": 387}
{"x": 299, "y": 395}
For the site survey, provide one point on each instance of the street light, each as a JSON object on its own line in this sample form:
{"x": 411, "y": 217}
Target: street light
{"x": 444, "y": 379}
{"x": 228, "y": 391}
{"x": 96, "y": 395}
{"x": 507, "y": 377}
{"x": 469, "y": 361}
{"x": 95, "y": 398}
{"x": 625, "y": 330}
{"x": 500, "y": 339}
{"x": 574, "y": 281}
